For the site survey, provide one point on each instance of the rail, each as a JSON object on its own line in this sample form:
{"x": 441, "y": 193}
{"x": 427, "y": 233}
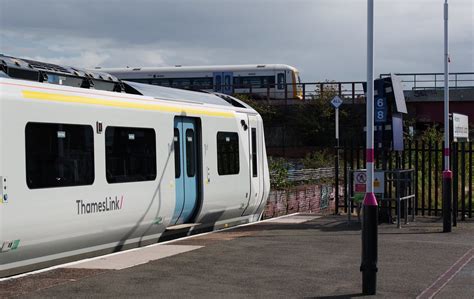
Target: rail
{"x": 417, "y": 81}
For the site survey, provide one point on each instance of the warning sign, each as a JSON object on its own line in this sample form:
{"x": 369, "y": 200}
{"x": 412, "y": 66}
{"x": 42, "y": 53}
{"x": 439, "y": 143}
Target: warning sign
{"x": 360, "y": 181}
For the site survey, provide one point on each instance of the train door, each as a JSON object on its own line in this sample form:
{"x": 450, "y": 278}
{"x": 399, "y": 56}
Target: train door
{"x": 223, "y": 82}
{"x": 217, "y": 81}
{"x": 256, "y": 170}
{"x": 227, "y": 86}
{"x": 186, "y": 169}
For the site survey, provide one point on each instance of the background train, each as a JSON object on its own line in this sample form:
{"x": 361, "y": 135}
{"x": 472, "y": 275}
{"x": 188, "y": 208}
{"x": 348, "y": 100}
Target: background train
{"x": 90, "y": 164}
{"x": 276, "y": 81}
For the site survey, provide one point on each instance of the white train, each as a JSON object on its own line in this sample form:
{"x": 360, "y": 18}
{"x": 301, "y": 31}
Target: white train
{"x": 275, "y": 81}
{"x": 115, "y": 165}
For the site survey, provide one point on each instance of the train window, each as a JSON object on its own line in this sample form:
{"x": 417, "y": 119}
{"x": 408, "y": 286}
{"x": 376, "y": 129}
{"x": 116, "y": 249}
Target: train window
{"x": 190, "y": 153}
{"x": 130, "y": 154}
{"x": 202, "y": 83}
{"x": 281, "y": 80}
{"x": 161, "y": 82}
{"x": 254, "y": 152}
{"x": 218, "y": 83}
{"x": 177, "y": 154}
{"x": 254, "y": 81}
{"x": 59, "y": 155}
{"x": 228, "y": 153}
{"x": 227, "y": 83}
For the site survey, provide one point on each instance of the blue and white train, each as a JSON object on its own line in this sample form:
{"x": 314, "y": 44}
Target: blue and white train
{"x": 275, "y": 81}
{"x": 90, "y": 164}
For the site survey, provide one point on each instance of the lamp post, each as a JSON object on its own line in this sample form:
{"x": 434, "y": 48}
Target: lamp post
{"x": 368, "y": 266}
{"x": 447, "y": 174}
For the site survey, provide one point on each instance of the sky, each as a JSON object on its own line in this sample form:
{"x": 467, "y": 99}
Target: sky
{"x": 324, "y": 39}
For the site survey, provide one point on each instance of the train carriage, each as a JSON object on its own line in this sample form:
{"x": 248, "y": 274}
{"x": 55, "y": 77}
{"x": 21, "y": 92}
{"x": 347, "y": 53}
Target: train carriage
{"x": 90, "y": 164}
{"x": 275, "y": 81}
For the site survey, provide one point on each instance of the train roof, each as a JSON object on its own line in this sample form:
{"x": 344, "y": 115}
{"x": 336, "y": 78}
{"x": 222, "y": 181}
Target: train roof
{"x": 25, "y": 69}
{"x": 208, "y": 68}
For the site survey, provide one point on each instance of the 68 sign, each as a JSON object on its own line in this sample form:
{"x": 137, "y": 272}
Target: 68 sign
{"x": 380, "y": 110}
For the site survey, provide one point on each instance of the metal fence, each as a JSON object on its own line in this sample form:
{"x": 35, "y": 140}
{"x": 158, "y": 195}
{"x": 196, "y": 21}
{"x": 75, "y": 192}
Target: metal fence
{"x": 427, "y": 161}
{"x": 423, "y": 81}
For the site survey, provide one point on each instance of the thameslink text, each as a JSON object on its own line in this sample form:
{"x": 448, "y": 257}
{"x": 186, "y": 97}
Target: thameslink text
{"x": 109, "y": 204}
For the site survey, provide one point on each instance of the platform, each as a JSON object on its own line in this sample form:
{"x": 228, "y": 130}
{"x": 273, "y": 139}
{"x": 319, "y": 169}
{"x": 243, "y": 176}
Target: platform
{"x": 296, "y": 256}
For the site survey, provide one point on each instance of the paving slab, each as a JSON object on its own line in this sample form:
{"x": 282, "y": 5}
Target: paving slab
{"x": 318, "y": 257}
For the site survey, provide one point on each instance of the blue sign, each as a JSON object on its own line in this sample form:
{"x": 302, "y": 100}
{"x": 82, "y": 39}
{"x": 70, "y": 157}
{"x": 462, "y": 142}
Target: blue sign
{"x": 380, "y": 110}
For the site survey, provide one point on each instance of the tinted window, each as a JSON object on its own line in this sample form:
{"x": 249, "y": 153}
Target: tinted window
{"x": 227, "y": 153}
{"x": 177, "y": 154}
{"x": 190, "y": 153}
{"x": 254, "y": 81}
{"x": 254, "y": 152}
{"x": 281, "y": 80}
{"x": 59, "y": 155}
{"x": 130, "y": 154}
{"x": 218, "y": 83}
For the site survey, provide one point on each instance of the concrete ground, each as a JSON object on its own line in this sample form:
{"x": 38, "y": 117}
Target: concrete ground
{"x": 297, "y": 256}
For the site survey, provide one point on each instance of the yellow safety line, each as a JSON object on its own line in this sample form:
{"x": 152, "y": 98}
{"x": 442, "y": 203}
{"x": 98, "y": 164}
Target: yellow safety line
{"x": 57, "y": 97}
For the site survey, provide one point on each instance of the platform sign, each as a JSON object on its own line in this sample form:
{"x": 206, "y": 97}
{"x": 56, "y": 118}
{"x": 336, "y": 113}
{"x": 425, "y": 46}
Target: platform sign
{"x": 380, "y": 110}
{"x": 360, "y": 181}
{"x": 460, "y": 127}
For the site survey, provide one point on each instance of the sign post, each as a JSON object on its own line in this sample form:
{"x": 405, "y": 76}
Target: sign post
{"x": 447, "y": 174}
{"x": 368, "y": 265}
{"x": 336, "y": 103}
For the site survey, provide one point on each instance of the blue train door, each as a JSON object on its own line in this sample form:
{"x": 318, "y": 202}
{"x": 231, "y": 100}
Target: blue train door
{"x": 227, "y": 83}
{"x": 217, "y": 81}
{"x": 223, "y": 82}
{"x": 186, "y": 169}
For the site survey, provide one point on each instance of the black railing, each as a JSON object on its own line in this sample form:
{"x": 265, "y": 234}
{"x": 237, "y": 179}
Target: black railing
{"x": 427, "y": 161}
{"x": 423, "y": 81}
{"x": 351, "y": 92}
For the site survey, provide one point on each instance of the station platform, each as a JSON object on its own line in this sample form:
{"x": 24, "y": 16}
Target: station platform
{"x": 299, "y": 255}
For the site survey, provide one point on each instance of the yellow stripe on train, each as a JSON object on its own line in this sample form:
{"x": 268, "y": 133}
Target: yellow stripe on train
{"x": 57, "y": 97}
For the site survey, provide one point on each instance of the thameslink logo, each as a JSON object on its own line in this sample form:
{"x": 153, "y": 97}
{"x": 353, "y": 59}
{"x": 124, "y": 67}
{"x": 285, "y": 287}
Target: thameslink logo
{"x": 109, "y": 204}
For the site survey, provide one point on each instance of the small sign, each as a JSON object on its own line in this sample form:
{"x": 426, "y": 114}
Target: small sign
{"x": 61, "y": 134}
{"x": 336, "y": 102}
{"x": 380, "y": 110}
{"x": 360, "y": 181}
{"x": 460, "y": 127}
{"x": 131, "y": 136}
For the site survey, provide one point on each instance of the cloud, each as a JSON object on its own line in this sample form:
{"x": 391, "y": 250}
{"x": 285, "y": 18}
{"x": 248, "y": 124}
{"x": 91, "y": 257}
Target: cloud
{"x": 325, "y": 39}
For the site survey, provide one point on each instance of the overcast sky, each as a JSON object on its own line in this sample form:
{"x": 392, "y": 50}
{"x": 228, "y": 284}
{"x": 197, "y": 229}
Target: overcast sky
{"x": 324, "y": 39}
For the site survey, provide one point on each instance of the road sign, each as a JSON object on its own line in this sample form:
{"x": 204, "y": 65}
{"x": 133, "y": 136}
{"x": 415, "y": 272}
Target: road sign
{"x": 336, "y": 102}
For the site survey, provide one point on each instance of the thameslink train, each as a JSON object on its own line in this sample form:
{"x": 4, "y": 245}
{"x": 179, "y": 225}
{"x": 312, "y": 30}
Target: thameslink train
{"x": 275, "y": 81}
{"x": 90, "y": 164}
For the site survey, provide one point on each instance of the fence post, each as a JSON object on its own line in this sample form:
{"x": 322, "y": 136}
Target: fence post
{"x": 455, "y": 183}
{"x": 436, "y": 177}
{"x": 429, "y": 177}
{"x": 416, "y": 178}
{"x": 423, "y": 178}
{"x": 345, "y": 177}
{"x": 463, "y": 181}
{"x": 336, "y": 177}
{"x": 471, "y": 174}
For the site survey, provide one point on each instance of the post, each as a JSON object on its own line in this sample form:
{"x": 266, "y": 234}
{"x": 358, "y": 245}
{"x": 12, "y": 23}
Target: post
{"x": 368, "y": 266}
{"x": 336, "y": 168}
{"x": 447, "y": 174}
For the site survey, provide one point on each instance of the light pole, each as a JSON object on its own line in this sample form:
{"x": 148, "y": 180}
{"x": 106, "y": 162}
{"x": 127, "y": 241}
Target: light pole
{"x": 368, "y": 266}
{"x": 447, "y": 174}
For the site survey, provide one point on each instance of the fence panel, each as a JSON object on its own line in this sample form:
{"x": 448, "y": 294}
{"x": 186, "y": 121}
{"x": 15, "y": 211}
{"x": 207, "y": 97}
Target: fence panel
{"x": 427, "y": 161}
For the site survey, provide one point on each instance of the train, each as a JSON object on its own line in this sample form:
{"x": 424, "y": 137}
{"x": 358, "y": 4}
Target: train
{"x": 269, "y": 81}
{"x": 91, "y": 164}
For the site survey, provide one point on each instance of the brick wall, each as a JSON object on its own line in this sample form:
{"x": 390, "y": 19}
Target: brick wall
{"x": 304, "y": 198}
